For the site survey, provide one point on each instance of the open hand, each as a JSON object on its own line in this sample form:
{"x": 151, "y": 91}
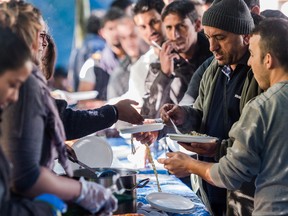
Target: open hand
{"x": 176, "y": 163}
{"x": 127, "y": 113}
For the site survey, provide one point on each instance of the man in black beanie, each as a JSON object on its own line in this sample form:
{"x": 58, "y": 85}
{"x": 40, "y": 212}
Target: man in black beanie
{"x": 189, "y": 97}
{"x": 227, "y": 25}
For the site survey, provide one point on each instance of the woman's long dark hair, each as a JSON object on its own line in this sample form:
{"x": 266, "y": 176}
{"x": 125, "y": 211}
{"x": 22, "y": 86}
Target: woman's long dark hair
{"x": 48, "y": 58}
{"x": 13, "y": 50}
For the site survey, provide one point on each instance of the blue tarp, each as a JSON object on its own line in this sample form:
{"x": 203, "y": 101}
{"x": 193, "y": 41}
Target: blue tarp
{"x": 60, "y": 16}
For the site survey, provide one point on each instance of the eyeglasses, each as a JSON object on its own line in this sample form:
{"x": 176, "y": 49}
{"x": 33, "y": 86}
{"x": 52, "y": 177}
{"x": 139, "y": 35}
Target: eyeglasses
{"x": 43, "y": 35}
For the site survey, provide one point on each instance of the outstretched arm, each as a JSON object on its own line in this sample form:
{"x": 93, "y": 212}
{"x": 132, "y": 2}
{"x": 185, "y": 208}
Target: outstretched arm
{"x": 182, "y": 165}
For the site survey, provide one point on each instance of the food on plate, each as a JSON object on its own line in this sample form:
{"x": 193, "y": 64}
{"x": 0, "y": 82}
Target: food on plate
{"x": 194, "y": 133}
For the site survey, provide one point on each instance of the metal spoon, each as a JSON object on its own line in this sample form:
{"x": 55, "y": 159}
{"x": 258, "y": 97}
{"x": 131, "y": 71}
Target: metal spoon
{"x": 175, "y": 127}
{"x": 133, "y": 149}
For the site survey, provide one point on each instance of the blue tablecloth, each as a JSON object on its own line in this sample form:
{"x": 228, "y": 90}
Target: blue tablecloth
{"x": 169, "y": 184}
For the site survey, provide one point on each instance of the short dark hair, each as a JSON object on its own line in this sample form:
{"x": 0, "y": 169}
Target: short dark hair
{"x": 257, "y": 18}
{"x": 183, "y": 8}
{"x": 252, "y": 3}
{"x": 273, "y": 13}
{"x": 111, "y": 15}
{"x": 274, "y": 39}
{"x": 122, "y": 4}
{"x": 14, "y": 52}
{"x": 143, "y": 6}
{"x": 93, "y": 24}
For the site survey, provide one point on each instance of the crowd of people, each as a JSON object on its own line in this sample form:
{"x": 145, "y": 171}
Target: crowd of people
{"x": 219, "y": 68}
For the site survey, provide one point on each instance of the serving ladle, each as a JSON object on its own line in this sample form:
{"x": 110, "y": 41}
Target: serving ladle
{"x": 73, "y": 157}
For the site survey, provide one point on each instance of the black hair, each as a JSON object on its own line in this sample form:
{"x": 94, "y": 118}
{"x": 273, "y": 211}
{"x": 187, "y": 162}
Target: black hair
{"x": 48, "y": 58}
{"x": 257, "y": 18}
{"x": 143, "y": 6}
{"x": 183, "y": 8}
{"x": 111, "y": 15}
{"x": 274, "y": 39}
{"x": 273, "y": 13}
{"x": 93, "y": 24}
{"x": 122, "y": 4}
{"x": 14, "y": 52}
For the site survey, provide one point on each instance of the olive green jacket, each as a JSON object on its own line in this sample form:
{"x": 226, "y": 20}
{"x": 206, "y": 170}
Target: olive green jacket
{"x": 197, "y": 117}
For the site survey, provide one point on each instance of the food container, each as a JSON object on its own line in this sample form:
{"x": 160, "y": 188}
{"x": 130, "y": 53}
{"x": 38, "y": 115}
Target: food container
{"x": 125, "y": 180}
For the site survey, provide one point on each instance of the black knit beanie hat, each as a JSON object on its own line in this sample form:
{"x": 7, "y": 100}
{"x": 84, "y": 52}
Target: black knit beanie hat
{"x": 229, "y": 15}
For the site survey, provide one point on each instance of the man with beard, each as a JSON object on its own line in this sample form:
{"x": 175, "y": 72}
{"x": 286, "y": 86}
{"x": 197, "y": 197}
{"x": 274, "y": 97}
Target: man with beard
{"x": 180, "y": 55}
{"x": 192, "y": 91}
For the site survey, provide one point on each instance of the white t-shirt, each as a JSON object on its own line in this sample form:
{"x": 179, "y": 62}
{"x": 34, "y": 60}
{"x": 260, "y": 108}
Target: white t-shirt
{"x": 138, "y": 74}
{"x": 87, "y": 71}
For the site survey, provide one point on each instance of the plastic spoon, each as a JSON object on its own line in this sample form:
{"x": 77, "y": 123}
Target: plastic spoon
{"x": 175, "y": 127}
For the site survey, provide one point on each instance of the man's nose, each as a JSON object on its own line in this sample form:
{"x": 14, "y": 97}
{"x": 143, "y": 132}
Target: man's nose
{"x": 175, "y": 34}
{"x": 14, "y": 96}
{"x": 214, "y": 45}
{"x": 44, "y": 42}
{"x": 150, "y": 30}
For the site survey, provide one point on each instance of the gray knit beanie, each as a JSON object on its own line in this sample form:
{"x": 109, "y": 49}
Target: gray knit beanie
{"x": 229, "y": 15}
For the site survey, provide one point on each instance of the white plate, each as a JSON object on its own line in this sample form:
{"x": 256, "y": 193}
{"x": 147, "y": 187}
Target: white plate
{"x": 84, "y": 95}
{"x": 74, "y": 96}
{"x": 189, "y": 139}
{"x": 175, "y": 147}
{"x": 93, "y": 151}
{"x": 143, "y": 128}
{"x": 169, "y": 202}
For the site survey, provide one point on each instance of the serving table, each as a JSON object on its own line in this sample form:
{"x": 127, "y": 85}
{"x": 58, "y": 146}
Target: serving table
{"x": 168, "y": 183}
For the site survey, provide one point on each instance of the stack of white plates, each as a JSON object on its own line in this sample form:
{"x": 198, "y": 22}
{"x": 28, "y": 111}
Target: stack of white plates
{"x": 170, "y": 202}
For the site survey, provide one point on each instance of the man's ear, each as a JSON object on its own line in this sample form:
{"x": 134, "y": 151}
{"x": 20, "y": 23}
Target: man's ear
{"x": 101, "y": 32}
{"x": 269, "y": 61}
{"x": 198, "y": 25}
{"x": 255, "y": 9}
{"x": 246, "y": 39}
